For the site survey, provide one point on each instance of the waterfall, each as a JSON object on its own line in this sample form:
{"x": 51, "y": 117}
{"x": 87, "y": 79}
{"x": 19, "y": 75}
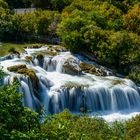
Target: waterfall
{"x": 27, "y": 95}
{"x": 61, "y": 85}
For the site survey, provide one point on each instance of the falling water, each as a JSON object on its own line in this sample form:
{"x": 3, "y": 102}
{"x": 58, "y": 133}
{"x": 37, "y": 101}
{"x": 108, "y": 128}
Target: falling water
{"x": 58, "y": 90}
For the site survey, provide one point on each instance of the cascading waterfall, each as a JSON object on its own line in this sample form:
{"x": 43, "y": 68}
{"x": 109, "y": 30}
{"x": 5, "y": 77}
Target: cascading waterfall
{"x": 61, "y": 84}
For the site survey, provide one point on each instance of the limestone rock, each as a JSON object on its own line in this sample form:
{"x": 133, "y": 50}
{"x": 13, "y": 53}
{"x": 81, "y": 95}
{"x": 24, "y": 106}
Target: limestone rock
{"x": 16, "y": 68}
{"x": 71, "y": 66}
{"x": 88, "y": 68}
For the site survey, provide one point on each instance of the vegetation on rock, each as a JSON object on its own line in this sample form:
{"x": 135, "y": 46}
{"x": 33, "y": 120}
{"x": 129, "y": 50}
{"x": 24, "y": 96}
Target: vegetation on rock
{"x": 31, "y": 74}
{"x": 117, "y": 82}
{"x": 92, "y": 69}
{"x": 74, "y": 85}
{"x": 16, "y": 68}
{"x": 28, "y": 58}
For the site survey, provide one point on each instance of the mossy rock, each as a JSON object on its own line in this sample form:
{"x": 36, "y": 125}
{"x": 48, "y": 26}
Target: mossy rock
{"x": 13, "y": 51}
{"x": 22, "y": 69}
{"x": 50, "y": 46}
{"x": 117, "y": 82}
{"x": 28, "y": 58}
{"x": 28, "y": 72}
{"x": 36, "y": 46}
{"x": 57, "y": 48}
{"x": 51, "y": 53}
{"x": 43, "y": 53}
{"x": 70, "y": 85}
{"x": 16, "y": 68}
{"x": 31, "y": 74}
{"x": 40, "y": 56}
{"x": 88, "y": 68}
{"x": 85, "y": 67}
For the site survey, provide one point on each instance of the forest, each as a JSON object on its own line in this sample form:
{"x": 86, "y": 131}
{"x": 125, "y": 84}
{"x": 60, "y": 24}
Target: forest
{"x": 109, "y": 30}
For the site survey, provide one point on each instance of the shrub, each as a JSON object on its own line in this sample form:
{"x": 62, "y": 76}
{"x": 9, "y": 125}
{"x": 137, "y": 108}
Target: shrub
{"x": 133, "y": 128}
{"x": 135, "y": 76}
{"x": 132, "y": 19}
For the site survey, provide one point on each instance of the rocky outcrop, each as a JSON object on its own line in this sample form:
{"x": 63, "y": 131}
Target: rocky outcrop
{"x": 22, "y": 69}
{"x": 40, "y": 58}
{"x": 71, "y": 66}
{"x": 16, "y": 68}
{"x": 88, "y": 68}
{"x": 31, "y": 74}
{"x": 28, "y": 58}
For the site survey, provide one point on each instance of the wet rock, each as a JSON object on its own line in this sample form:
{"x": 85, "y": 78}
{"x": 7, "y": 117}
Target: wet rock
{"x": 7, "y": 57}
{"x": 71, "y": 66}
{"x": 40, "y": 58}
{"x": 88, "y": 68}
{"x": 22, "y": 69}
{"x": 31, "y": 74}
{"x": 28, "y": 58}
{"x": 36, "y": 46}
{"x": 16, "y": 68}
{"x": 33, "y": 77}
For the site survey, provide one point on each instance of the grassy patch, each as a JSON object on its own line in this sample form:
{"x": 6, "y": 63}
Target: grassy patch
{"x": 5, "y": 47}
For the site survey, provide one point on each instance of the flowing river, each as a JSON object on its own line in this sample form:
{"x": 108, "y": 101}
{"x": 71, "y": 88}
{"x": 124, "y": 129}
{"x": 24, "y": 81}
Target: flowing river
{"x": 59, "y": 84}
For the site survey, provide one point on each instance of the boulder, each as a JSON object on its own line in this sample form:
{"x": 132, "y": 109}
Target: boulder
{"x": 40, "y": 58}
{"x": 16, "y": 68}
{"x": 28, "y": 58}
{"x": 31, "y": 74}
{"x": 71, "y": 66}
{"x": 88, "y": 68}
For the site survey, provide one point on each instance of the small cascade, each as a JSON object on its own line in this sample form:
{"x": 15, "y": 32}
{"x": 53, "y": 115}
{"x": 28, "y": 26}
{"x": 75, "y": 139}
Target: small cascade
{"x": 63, "y": 63}
{"x": 29, "y": 98}
{"x": 27, "y": 95}
{"x": 61, "y": 84}
{"x": 91, "y": 99}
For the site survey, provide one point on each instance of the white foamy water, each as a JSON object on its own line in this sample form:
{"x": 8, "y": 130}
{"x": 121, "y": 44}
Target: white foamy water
{"x": 120, "y": 116}
{"x": 61, "y": 85}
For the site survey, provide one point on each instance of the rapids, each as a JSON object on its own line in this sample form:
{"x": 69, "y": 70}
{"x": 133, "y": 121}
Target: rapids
{"x": 110, "y": 97}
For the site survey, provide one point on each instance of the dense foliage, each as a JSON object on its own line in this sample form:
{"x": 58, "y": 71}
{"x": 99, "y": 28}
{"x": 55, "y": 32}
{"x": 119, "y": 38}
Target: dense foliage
{"x": 15, "y": 120}
{"x": 107, "y": 29}
{"x": 104, "y": 29}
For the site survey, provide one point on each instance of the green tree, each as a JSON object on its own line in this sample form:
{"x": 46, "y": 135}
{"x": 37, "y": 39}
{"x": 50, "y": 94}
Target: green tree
{"x": 14, "y": 118}
{"x": 133, "y": 128}
{"x": 67, "y": 126}
{"x": 131, "y": 20}
{"x": 3, "y": 4}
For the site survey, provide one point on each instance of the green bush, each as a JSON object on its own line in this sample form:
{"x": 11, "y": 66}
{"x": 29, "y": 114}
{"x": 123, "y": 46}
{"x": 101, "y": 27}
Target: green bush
{"x": 132, "y": 19}
{"x": 67, "y": 126}
{"x": 3, "y": 4}
{"x": 135, "y": 76}
{"x": 15, "y": 117}
{"x": 133, "y": 129}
